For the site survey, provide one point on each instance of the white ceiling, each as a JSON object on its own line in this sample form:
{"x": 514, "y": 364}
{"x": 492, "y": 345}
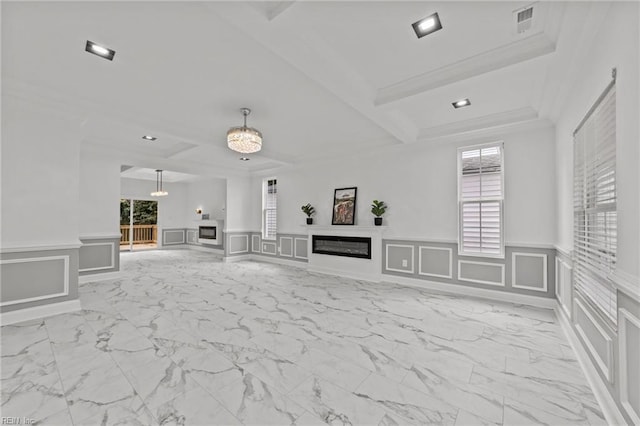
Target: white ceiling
{"x": 322, "y": 78}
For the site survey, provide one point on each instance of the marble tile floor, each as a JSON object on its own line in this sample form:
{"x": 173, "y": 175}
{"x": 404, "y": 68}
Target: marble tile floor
{"x": 184, "y": 339}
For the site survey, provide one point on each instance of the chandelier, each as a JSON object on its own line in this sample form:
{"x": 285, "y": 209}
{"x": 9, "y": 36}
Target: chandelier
{"x": 244, "y": 139}
{"x": 159, "y": 192}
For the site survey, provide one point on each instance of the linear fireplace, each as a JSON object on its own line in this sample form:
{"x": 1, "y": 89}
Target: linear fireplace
{"x": 359, "y": 247}
{"x": 208, "y": 234}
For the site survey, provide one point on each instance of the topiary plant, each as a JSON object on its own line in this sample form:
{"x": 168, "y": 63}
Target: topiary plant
{"x": 309, "y": 210}
{"x": 378, "y": 208}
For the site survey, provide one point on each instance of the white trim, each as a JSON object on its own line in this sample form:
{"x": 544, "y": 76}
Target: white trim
{"x": 564, "y": 252}
{"x": 514, "y": 284}
{"x": 450, "y": 250}
{"x": 610, "y": 410}
{"x": 269, "y": 243}
{"x": 471, "y": 280}
{"x": 166, "y": 231}
{"x": 246, "y": 239}
{"x": 603, "y": 365}
{"x": 466, "y": 291}
{"x": 386, "y": 259}
{"x": 36, "y": 312}
{"x": 65, "y": 291}
{"x": 83, "y": 279}
{"x": 100, "y": 237}
{"x": 347, "y": 228}
{"x": 8, "y": 248}
{"x": 342, "y": 273}
{"x": 561, "y": 266}
{"x": 295, "y": 247}
{"x": 255, "y": 247}
{"x": 558, "y": 292}
{"x": 230, "y": 259}
{"x": 195, "y": 235}
{"x": 291, "y": 246}
{"x": 205, "y": 249}
{"x": 626, "y": 316}
{"x": 279, "y": 261}
{"x": 422, "y": 240}
{"x": 627, "y": 284}
{"x": 530, "y": 245}
{"x": 113, "y": 257}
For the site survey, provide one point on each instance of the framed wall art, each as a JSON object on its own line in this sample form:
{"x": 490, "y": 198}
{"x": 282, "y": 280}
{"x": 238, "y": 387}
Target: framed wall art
{"x": 344, "y": 206}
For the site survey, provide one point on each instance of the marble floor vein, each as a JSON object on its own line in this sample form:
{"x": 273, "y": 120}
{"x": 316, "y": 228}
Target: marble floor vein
{"x": 184, "y": 339}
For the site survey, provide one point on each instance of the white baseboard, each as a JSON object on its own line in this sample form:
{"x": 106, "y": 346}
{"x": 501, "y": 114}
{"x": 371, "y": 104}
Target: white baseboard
{"x": 523, "y": 299}
{"x": 341, "y": 273}
{"x": 279, "y": 261}
{"x": 238, "y": 258}
{"x": 27, "y": 314}
{"x": 205, "y": 249}
{"x": 83, "y": 279}
{"x": 612, "y": 414}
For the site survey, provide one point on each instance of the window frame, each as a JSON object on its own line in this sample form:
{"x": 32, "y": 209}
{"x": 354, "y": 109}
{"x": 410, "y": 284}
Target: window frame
{"x": 461, "y": 250}
{"x": 265, "y": 189}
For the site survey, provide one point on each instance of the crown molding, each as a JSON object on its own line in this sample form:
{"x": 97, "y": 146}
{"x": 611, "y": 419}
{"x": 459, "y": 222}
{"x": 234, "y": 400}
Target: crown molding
{"x": 531, "y": 47}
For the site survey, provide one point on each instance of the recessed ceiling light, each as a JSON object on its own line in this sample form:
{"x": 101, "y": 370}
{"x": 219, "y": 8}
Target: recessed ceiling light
{"x": 101, "y": 51}
{"x": 245, "y": 158}
{"x": 427, "y": 25}
{"x": 149, "y": 138}
{"x": 461, "y": 103}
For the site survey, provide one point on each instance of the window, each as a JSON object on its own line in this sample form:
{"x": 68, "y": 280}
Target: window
{"x": 269, "y": 209}
{"x": 480, "y": 200}
{"x": 595, "y": 216}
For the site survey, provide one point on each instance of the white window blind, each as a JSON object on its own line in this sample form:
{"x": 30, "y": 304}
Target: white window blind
{"x": 595, "y": 216}
{"x": 481, "y": 196}
{"x": 269, "y": 210}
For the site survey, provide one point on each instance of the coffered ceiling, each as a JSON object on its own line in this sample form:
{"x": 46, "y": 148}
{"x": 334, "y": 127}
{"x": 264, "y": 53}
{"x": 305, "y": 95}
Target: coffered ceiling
{"x": 323, "y": 78}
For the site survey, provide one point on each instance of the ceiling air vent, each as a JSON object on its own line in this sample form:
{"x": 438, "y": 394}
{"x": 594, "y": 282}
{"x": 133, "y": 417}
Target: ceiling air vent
{"x": 524, "y": 19}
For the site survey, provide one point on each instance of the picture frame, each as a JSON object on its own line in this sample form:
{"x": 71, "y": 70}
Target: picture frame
{"x": 344, "y": 206}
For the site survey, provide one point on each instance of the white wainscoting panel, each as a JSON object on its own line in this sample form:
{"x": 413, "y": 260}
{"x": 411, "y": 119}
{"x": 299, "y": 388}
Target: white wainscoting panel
{"x": 629, "y": 358}
{"x": 65, "y": 285}
{"x": 112, "y": 249}
{"x": 301, "y": 242}
{"x": 289, "y": 242}
{"x": 603, "y": 360}
{"x": 525, "y": 285}
{"x": 269, "y": 247}
{"x": 244, "y": 238}
{"x": 421, "y": 270}
{"x": 481, "y": 264}
{"x": 564, "y": 288}
{"x": 255, "y": 243}
{"x": 410, "y": 260}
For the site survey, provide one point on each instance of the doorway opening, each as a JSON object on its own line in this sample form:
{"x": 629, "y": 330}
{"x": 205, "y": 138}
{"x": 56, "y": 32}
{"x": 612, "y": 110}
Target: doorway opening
{"x": 138, "y": 224}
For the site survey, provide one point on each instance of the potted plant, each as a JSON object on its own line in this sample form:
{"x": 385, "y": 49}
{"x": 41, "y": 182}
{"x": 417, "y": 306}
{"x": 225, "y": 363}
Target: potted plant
{"x": 309, "y": 211}
{"x": 378, "y": 208}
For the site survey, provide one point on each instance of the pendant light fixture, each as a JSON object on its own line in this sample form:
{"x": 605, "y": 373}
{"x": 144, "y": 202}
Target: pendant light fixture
{"x": 245, "y": 140}
{"x": 159, "y": 192}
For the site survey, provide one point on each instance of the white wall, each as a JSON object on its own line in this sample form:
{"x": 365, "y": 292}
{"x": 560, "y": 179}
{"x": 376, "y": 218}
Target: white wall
{"x": 171, "y": 209}
{"x": 419, "y": 183}
{"x": 99, "y": 196}
{"x": 210, "y": 195}
{"x": 40, "y": 168}
{"x": 616, "y": 45}
{"x": 239, "y": 204}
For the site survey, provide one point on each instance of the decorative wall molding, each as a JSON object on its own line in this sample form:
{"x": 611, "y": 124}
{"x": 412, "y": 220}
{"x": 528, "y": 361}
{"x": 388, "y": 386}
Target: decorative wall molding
{"x": 65, "y": 290}
{"x": 255, "y": 243}
{"x": 604, "y": 365}
{"x": 9, "y": 248}
{"x": 246, "y": 243}
{"x": 100, "y": 237}
{"x": 626, "y": 319}
{"x": 269, "y": 244}
{"x": 514, "y": 271}
{"x": 472, "y": 280}
{"x": 83, "y": 279}
{"x": 282, "y": 251}
{"x": 564, "y": 286}
{"x": 295, "y": 248}
{"x": 174, "y": 231}
{"x": 36, "y": 312}
{"x": 411, "y": 258}
{"x": 611, "y": 412}
{"x": 450, "y": 253}
{"x": 627, "y": 283}
{"x": 112, "y": 263}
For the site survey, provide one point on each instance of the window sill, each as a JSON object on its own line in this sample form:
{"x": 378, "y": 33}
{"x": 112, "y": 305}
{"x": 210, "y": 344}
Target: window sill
{"x": 485, "y": 255}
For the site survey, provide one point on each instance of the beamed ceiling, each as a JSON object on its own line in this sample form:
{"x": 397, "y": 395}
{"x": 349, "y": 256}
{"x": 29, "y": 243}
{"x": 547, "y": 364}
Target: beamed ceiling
{"x": 324, "y": 79}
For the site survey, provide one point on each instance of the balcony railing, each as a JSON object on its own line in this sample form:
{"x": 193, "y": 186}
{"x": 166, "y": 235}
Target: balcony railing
{"x": 142, "y": 234}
